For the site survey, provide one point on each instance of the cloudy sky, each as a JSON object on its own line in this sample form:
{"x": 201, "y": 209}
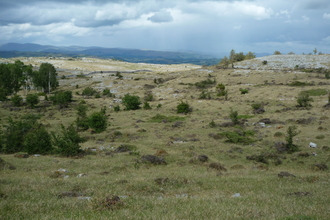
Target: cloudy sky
{"x": 213, "y": 26}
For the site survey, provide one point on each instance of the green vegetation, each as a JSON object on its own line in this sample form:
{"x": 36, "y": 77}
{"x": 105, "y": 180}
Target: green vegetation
{"x": 106, "y": 92}
{"x": 314, "y": 92}
{"x": 68, "y": 142}
{"x": 244, "y": 91}
{"x": 205, "y": 84}
{"x": 131, "y": 102}
{"x": 32, "y": 100}
{"x": 162, "y": 118}
{"x": 62, "y": 98}
{"x": 298, "y": 83}
{"x": 146, "y": 106}
{"x": 239, "y": 136}
{"x": 16, "y": 100}
{"x": 183, "y": 107}
{"x": 89, "y": 91}
{"x": 98, "y": 121}
{"x": 304, "y": 100}
{"x": 291, "y": 133}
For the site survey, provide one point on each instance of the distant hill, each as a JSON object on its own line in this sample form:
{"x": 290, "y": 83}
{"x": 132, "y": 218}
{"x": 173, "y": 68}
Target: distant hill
{"x": 130, "y": 55}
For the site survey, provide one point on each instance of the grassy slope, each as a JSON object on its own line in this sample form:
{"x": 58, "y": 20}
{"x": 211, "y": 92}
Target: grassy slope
{"x": 194, "y": 191}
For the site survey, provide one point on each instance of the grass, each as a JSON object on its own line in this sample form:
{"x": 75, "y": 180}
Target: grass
{"x": 193, "y": 190}
{"x": 315, "y": 92}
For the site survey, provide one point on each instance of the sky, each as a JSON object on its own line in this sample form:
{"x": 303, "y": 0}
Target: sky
{"x": 212, "y": 27}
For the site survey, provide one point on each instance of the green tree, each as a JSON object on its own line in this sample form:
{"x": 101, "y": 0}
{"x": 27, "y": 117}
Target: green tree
{"x": 277, "y": 53}
{"x": 11, "y": 78}
{"x": 250, "y": 55}
{"x": 291, "y": 132}
{"x": 224, "y": 62}
{"x": 234, "y": 116}
{"x": 46, "y": 77}
{"x": 131, "y": 102}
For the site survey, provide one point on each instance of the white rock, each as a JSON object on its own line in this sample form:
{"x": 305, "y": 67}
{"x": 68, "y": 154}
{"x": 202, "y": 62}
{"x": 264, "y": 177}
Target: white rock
{"x": 313, "y": 145}
{"x": 236, "y": 195}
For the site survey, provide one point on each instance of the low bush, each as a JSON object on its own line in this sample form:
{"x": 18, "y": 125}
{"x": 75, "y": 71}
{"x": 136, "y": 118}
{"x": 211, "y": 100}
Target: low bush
{"x": 62, "y": 98}
{"x": 304, "y": 100}
{"x": 38, "y": 141}
{"x": 131, "y": 102}
{"x": 89, "y": 91}
{"x": 98, "y": 121}
{"x": 106, "y": 92}
{"x": 68, "y": 142}
{"x": 244, "y": 91}
{"x": 205, "y": 84}
{"x": 32, "y": 100}
{"x": 239, "y": 136}
{"x": 298, "y": 83}
{"x": 16, "y": 100}
{"x": 183, "y": 107}
{"x": 146, "y": 106}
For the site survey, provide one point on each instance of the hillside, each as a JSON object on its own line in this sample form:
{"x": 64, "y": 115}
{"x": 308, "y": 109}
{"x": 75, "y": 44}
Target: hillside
{"x": 214, "y": 169}
{"x": 130, "y": 55}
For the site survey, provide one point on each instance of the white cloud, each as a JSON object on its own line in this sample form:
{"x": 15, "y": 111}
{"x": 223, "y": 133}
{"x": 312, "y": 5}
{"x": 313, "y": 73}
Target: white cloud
{"x": 305, "y": 18}
{"x": 238, "y": 27}
{"x": 161, "y": 16}
{"x": 326, "y": 16}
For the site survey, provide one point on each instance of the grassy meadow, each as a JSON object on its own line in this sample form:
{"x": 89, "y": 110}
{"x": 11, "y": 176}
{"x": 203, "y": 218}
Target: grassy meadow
{"x": 235, "y": 181}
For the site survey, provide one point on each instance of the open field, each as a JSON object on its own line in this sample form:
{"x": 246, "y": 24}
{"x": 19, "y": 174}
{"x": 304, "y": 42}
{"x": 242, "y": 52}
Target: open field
{"x": 226, "y": 185}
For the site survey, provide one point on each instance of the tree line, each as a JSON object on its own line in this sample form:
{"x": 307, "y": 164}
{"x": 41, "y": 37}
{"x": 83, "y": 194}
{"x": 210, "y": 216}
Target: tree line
{"x": 235, "y": 57}
{"x": 18, "y": 76}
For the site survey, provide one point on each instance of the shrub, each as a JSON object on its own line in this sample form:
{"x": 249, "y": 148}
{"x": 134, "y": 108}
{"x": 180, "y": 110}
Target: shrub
{"x": 256, "y": 106}
{"x": 205, "y": 83}
{"x": 119, "y": 75}
{"x": 298, "y": 83}
{"x": 13, "y": 135}
{"x": 183, "y": 107}
{"x": 146, "y": 106}
{"x": 97, "y": 95}
{"x": 116, "y": 108}
{"x": 264, "y": 62}
{"x": 277, "y": 53}
{"x": 16, "y": 100}
{"x": 204, "y": 95}
{"x": 327, "y": 75}
{"x": 304, "y": 100}
{"x": 234, "y": 117}
{"x": 244, "y": 91}
{"x": 291, "y": 132}
{"x": 98, "y": 121}
{"x": 106, "y": 92}
{"x": 239, "y": 136}
{"x": 160, "y": 105}
{"x": 38, "y": 141}
{"x": 89, "y": 91}
{"x": 32, "y": 100}
{"x": 68, "y": 143}
{"x": 221, "y": 89}
{"x": 148, "y": 97}
{"x": 62, "y": 98}
{"x": 162, "y": 118}
{"x": 131, "y": 102}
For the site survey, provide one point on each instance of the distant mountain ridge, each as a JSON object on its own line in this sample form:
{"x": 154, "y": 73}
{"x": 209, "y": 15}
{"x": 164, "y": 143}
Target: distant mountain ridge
{"x": 130, "y": 55}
